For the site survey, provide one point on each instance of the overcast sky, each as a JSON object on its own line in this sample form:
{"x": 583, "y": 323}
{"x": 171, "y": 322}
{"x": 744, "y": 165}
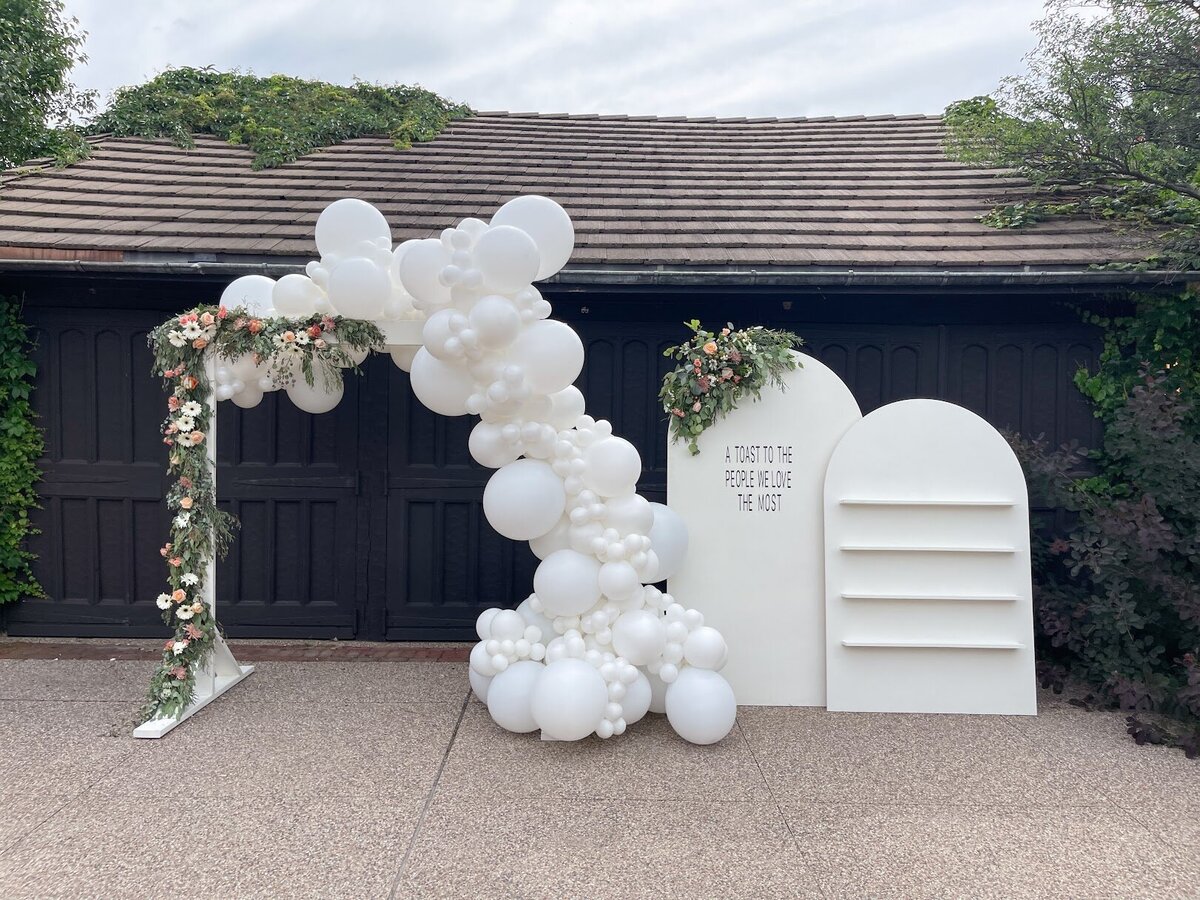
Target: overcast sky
{"x": 663, "y": 57}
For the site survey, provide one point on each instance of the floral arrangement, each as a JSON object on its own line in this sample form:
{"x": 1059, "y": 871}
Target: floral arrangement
{"x": 200, "y": 532}
{"x": 717, "y": 371}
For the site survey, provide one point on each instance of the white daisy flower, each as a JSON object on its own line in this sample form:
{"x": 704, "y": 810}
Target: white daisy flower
{"x": 301, "y": 338}
{"x": 182, "y": 520}
{"x": 190, "y": 579}
{"x": 184, "y": 424}
{"x": 163, "y": 601}
{"x": 192, "y": 330}
{"x": 191, "y": 408}
{"x": 179, "y": 647}
{"x": 184, "y": 612}
{"x": 176, "y": 338}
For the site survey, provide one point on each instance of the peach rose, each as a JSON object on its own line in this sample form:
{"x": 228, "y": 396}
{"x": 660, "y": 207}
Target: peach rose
{"x": 254, "y": 326}
{"x": 196, "y": 437}
{"x": 710, "y": 348}
{"x": 191, "y": 382}
{"x": 178, "y": 595}
{"x": 176, "y": 561}
{"x": 186, "y": 502}
{"x": 199, "y": 343}
{"x": 207, "y": 319}
{"x": 222, "y": 312}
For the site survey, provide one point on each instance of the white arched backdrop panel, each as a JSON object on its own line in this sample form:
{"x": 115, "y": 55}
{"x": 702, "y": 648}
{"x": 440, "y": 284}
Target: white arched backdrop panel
{"x": 755, "y": 563}
{"x": 929, "y": 604}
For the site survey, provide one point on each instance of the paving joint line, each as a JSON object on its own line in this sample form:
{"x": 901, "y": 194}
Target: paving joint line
{"x": 437, "y": 778}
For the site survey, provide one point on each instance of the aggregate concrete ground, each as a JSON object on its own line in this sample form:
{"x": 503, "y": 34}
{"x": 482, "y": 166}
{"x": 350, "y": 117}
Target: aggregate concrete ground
{"x": 384, "y": 778}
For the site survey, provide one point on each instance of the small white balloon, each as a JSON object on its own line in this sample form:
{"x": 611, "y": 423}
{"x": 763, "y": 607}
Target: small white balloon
{"x": 551, "y": 354}
{"x": 510, "y": 694}
{"x": 629, "y": 514}
{"x": 496, "y": 321}
{"x": 251, "y": 291}
{"x": 536, "y": 619}
{"x": 567, "y": 582}
{"x": 403, "y": 355}
{"x": 507, "y": 625}
{"x": 613, "y": 467}
{"x": 346, "y": 222}
{"x": 700, "y": 706}
{"x": 639, "y": 635}
{"x": 358, "y": 288}
{"x": 315, "y": 399}
{"x": 481, "y": 660}
{"x": 248, "y": 397}
{"x": 479, "y": 684}
{"x": 483, "y": 624}
{"x": 569, "y": 700}
{"x": 296, "y": 295}
{"x": 441, "y": 387}
{"x": 488, "y": 446}
{"x": 546, "y": 223}
{"x": 669, "y": 538}
{"x": 524, "y": 499}
{"x": 566, "y": 406}
{"x": 420, "y": 269}
{"x": 619, "y": 581}
{"x": 557, "y": 538}
{"x": 507, "y": 258}
{"x": 705, "y": 648}
{"x": 636, "y": 702}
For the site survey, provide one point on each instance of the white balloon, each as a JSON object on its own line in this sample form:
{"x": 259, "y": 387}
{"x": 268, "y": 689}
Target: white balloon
{"x": 551, "y": 354}
{"x": 536, "y": 619}
{"x": 669, "y": 540}
{"x": 567, "y": 582}
{"x": 629, "y": 514}
{"x": 510, "y": 693}
{"x": 496, "y": 321}
{"x": 507, "y": 257}
{"x": 488, "y": 446}
{"x": 507, "y": 625}
{"x": 483, "y": 624}
{"x": 619, "y": 582}
{"x": 705, "y": 648}
{"x": 524, "y": 499}
{"x": 358, "y": 288}
{"x": 437, "y": 331}
{"x": 248, "y": 397}
{"x": 251, "y": 291}
{"x": 700, "y": 706}
{"x": 420, "y": 268}
{"x": 403, "y": 355}
{"x": 639, "y": 635}
{"x": 314, "y": 399}
{"x": 344, "y": 223}
{"x": 397, "y": 257}
{"x": 613, "y": 467}
{"x": 544, "y": 221}
{"x": 569, "y": 700}
{"x": 479, "y": 684}
{"x": 295, "y": 295}
{"x": 481, "y": 660}
{"x": 636, "y": 702}
{"x": 566, "y": 406}
{"x": 557, "y": 538}
{"x": 441, "y": 387}
{"x": 658, "y": 694}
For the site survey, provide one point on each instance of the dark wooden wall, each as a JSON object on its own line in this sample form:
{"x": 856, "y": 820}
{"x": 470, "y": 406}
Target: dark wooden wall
{"x": 367, "y": 521}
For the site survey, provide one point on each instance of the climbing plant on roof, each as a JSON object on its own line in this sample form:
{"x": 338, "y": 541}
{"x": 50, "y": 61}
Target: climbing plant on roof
{"x": 278, "y": 117}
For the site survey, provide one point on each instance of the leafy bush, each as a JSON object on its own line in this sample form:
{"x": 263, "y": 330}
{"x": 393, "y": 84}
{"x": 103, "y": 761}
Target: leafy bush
{"x": 1118, "y": 595}
{"x": 20, "y": 448}
{"x": 278, "y": 117}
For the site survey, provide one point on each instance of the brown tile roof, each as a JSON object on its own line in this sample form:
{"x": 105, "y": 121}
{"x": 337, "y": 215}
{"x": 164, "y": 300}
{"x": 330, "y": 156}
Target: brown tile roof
{"x": 861, "y": 193}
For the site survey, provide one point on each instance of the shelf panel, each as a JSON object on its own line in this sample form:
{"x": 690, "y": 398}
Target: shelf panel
{"x": 937, "y": 645}
{"x": 973, "y": 598}
{"x": 901, "y": 502}
{"x": 890, "y": 548}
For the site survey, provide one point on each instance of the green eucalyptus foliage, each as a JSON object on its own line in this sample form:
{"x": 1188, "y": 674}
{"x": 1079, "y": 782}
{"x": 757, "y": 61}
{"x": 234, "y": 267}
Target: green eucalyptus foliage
{"x": 278, "y": 117}
{"x": 1105, "y": 122}
{"x": 38, "y": 47}
{"x": 20, "y": 449}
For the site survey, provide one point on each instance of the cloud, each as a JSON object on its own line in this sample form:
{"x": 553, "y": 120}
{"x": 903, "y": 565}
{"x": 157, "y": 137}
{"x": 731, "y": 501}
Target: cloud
{"x": 664, "y": 57}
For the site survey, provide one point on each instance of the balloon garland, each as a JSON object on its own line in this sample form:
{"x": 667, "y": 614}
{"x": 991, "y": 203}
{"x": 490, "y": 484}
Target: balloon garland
{"x": 596, "y": 646}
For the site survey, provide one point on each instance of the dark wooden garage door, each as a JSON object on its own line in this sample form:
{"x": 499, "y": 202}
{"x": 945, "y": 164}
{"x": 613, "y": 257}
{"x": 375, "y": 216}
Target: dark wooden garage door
{"x": 368, "y": 521}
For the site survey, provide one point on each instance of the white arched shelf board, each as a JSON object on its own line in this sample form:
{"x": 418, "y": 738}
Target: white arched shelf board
{"x": 928, "y": 595}
{"x": 752, "y": 503}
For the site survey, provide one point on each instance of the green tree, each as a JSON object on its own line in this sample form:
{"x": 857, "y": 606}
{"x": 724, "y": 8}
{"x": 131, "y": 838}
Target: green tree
{"x": 1106, "y": 121}
{"x": 38, "y": 47}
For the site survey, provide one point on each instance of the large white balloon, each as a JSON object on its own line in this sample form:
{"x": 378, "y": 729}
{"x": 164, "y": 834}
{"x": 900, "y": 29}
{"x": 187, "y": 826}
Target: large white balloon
{"x": 489, "y": 447}
{"x": 358, "y": 288}
{"x": 705, "y": 648}
{"x": 658, "y": 694}
{"x": 507, "y": 257}
{"x": 248, "y": 397}
{"x": 495, "y": 321}
{"x": 479, "y": 684}
{"x": 524, "y": 499}
{"x": 510, "y": 694}
{"x": 569, "y": 699}
{"x": 629, "y": 514}
{"x": 251, "y": 291}
{"x": 567, "y": 582}
{"x": 557, "y": 538}
{"x": 441, "y": 387}
{"x": 619, "y": 581}
{"x": 345, "y": 223}
{"x": 295, "y": 295}
{"x": 700, "y": 706}
{"x": 639, "y": 635}
{"x": 314, "y": 399}
{"x": 403, "y": 356}
{"x": 550, "y": 353}
{"x": 669, "y": 540}
{"x": 613, "y": 467}
{"x": 636, "y": 702}
{"x": 547, "y": 223}
{"x": 420, "y": 271}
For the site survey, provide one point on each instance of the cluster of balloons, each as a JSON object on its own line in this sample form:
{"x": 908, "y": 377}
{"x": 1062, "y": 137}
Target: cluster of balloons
{"x": 596, "y": 646}
{"x": 357, "y": 276}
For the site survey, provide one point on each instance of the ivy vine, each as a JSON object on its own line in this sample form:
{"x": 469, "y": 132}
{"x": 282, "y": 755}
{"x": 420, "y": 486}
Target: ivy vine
{"x": 278, "y": 117}
{"x": 20, "y": 448}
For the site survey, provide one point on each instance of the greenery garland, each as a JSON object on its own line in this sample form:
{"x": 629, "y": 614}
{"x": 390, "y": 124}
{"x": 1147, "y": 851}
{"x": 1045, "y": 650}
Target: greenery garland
{"x": 200, "y": 532}
{"x": 720, "y": 370}
{"x": 20, "y": 448}
{"x": 278, "y": 117}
